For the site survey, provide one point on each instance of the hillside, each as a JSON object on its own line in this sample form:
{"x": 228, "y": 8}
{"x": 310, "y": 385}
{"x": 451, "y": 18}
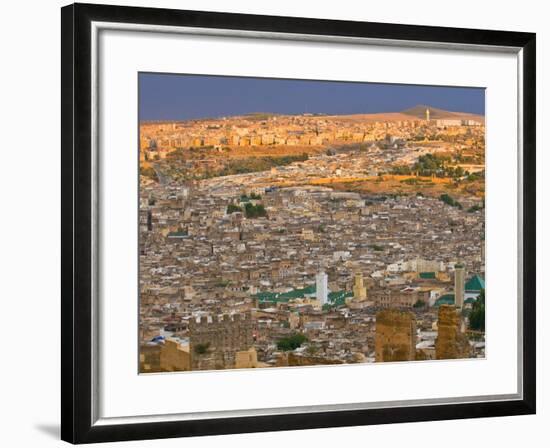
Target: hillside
{"x": 419, "y": 111}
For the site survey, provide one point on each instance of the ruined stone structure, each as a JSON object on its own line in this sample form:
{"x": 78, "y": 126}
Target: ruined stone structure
{"x": 149, "y": 358}
{"x": 215, "y": 340}
{"x": 395, "y": 336}
{"x": 451, "y": 342}
{"x": 174, "y": 356}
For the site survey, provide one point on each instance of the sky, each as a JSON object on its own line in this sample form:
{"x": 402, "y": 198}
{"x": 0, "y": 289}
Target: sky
{"x": 184, "y": 97}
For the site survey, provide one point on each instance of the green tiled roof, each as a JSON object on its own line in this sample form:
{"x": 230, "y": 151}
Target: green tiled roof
{"x": 446, "y": 299}
{"x": 476, "y": 283}
{"x": 339, "y": 298}
{"x": 427, "y": 275}
{"x": 336, "y": 298}
{"x": 286, "y": 296}
{"x": 177, "y": 235}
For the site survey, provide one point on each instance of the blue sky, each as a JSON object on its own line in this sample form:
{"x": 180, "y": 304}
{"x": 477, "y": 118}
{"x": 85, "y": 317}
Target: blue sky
{"x": 183, "y": 97}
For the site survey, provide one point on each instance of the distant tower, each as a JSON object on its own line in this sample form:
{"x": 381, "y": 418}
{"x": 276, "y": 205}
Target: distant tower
{"x": 321, "y": 284}
{"x": 427, "y": 114}
{"x": 459, "y": 285}
{"x": 359, "y": 289}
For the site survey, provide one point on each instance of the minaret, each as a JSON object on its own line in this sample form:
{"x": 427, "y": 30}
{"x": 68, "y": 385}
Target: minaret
{"x": 427, "y": 114}
{"x": 359, "y": 289}
{"x": 321, "y": 287}
{"x": 459, "y": 285}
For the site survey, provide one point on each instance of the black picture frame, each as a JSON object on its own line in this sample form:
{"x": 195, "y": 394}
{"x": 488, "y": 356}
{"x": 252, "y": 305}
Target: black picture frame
{"x": 76, "y": 218}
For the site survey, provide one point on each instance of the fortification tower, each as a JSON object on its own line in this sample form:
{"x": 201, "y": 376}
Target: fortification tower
{"x": 395, "y": 336}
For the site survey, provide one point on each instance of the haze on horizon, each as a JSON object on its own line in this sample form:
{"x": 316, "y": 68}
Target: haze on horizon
{"x": 186, "y": 97}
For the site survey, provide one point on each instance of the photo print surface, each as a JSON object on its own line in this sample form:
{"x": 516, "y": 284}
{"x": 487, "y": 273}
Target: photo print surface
{"x": 299, "y": 223}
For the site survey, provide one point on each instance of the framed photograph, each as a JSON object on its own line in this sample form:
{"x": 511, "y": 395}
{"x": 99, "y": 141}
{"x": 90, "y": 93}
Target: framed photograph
{"x": 276, "y": 223}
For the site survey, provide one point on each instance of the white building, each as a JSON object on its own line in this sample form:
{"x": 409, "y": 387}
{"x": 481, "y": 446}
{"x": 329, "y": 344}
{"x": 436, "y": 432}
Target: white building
{"x": 321, "y": 287}
{"x": 459, "y": 285}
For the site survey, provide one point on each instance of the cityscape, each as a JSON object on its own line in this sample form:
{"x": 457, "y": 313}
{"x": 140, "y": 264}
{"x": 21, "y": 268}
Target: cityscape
{"x": 285, "y": 230}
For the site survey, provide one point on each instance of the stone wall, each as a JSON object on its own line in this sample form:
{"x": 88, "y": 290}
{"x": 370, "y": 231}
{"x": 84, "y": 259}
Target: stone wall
{"x": 291, "y": 359}
{"x": 219, "y": 337}
{"x": 246, "y": 359}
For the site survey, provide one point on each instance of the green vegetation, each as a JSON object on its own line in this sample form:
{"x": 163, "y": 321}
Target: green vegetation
{"x": 255, "y": 164}
{"x": 401, "y": 170}
{"x": 477, "y": 315}
{"x": 246, "y": 198}
{"x": 232, "y": 208}
{"x": 181, "y": 165}
{"x": 312, "y": 350}
{"x": 419, "y": 304}
{"x": 450, "y": 201}
{"x": 473, "y": 159}
{"x": 475, "y": 208}
{"x": 376, "y": 247}
{"x": 148, "y": 172}
{"x": 429, "y": 165}
{"x": 291, "y": 342}
{"x": 416, "y": 181}
{"x": 254, "y": 211}
{"x": 480, "y": 175}
{"x": 201, "y": 349}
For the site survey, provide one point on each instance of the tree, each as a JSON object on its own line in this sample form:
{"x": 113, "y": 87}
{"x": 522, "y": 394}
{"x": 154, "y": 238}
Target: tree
{"x": 447, "y": 199}
{"x": 254, "y": 211}
{"x": 201, "y": 349}
{"x": 477, "y": 315}
{"x": 291, "y": 342}
{"x": 232, "y": 208}
{"x": 419, "y": 304}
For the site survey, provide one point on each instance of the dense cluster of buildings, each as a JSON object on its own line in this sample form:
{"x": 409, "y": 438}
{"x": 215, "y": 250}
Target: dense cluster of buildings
{"x": 157, "y": 139}
{"x": 242, "y": 271}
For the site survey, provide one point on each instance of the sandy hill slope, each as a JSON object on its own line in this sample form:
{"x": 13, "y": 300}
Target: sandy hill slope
{"x": 419, "y": 111}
